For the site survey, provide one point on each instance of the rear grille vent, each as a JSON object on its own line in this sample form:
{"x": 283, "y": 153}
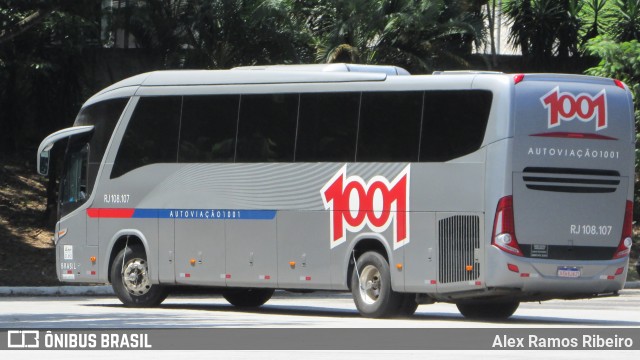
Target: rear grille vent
{"x": 458, "y": 244}
{"x": 571, "y": 180}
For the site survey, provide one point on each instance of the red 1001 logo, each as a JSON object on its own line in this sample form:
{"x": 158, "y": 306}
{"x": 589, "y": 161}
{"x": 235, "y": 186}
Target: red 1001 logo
{"x": 566, "y": 106}
{"x": 377, "y": 204}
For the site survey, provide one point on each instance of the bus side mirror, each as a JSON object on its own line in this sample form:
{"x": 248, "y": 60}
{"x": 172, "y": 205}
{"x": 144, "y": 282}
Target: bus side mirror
{"x": 46, "y": 145}
{"x": 43, "y": 163}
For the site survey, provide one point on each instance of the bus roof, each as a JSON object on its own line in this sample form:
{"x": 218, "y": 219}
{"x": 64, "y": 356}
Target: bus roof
{"x": 301, "y": 74}
{"x": 259, "y": 75}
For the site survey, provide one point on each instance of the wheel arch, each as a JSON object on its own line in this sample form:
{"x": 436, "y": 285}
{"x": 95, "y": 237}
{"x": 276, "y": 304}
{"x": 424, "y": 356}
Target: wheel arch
{"x": 127, "y": 237}
{"x": 360, "y": 245}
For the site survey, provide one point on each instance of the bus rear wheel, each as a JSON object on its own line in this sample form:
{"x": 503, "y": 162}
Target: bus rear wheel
{"x": 488, "y": 310}
{"x": 131, "y": 282}
{"x": 371, "y": 287}
{"x": 248, "y": 297}
{"x": 408, "y": 306}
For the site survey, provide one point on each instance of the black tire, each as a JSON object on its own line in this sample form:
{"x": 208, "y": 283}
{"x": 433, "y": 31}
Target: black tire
{"x": 144, "y": 294}
{"x": 488, "y": 310}
{"x": 248, "y": 297}
{"x": 374, "y": 298}
{"x": 408, "y": 306}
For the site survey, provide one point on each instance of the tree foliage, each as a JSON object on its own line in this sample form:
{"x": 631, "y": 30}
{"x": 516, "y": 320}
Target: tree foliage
{"x": 544, "y": 28}
{"x": 41, "y": 45}
{"x": 214, "y": 33}
{"x": 621, "y": 60}
{"x": 420, "y": 35}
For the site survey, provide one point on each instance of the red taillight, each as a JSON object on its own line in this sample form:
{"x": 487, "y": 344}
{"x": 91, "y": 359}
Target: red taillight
{"x": 624, "y": 248}
{"x": 518, "y": 78}
{"x": 504, "y": 234}
{"x": 619, "y": 84}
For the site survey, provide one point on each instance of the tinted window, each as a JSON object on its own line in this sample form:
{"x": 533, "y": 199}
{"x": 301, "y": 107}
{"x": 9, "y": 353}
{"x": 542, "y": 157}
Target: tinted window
{"x": 267, "y": 127}
{"x": 454, "y": 123}
{"x": 151, "y": 136}
{"x": 73, "y": 183}
{"x": 208, "y": 128}
{"x": 327, "y": 127}
{"x": 103, "y": 116}
{"x": 389, "y": 127}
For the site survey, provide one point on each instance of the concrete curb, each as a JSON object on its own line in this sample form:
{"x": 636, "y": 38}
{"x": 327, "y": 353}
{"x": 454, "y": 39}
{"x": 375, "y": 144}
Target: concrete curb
{"x": 106, "y": 290}
{"x": 632, "y": 285}
{"x": 97, "y": 290}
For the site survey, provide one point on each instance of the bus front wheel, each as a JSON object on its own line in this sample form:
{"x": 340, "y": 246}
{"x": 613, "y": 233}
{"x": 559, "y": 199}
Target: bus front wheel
{"x": 488, "y": 310}
{"x": 131, "y": 282}
{"x": 371, "y": 287}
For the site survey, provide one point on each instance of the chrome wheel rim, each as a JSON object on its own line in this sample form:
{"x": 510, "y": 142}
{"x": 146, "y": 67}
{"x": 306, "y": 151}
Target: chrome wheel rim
{"x": 135, "y": 277}
{"x": 370, "y": 284}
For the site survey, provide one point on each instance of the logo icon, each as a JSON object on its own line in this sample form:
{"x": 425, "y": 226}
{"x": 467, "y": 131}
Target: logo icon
{"x": 23, "y": 339}
{"x": 567, "y": 106}
{"x": 377, "y": 204}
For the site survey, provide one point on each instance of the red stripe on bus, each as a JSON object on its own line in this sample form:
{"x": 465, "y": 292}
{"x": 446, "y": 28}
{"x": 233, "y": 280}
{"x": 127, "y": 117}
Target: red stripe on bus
{"x": 574, "y": 136}
{"x": 110, "y": 213}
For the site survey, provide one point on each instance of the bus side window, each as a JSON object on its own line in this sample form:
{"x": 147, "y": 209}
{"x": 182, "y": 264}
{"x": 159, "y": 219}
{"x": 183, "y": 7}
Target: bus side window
{"x": 454, "y": 123}
{"x": 389, "y": 127}
{"x": 208, "y": 128}
{"x": 151, "y": 136}
{"x": 327, "y": 127}
{"x": 267, "y": 128}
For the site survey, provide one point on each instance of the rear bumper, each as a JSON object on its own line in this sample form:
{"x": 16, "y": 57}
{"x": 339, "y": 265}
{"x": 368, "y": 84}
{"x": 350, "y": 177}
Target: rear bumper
{"x": 539, "y": 279}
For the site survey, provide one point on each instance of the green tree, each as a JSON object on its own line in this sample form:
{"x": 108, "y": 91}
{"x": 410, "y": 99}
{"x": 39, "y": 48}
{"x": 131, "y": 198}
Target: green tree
{"x": 42, "y": 78}
{"x": 215, "y": 33}
{"x": 41, "y": 47}
{"x": 544, "y": 28}
{"x": 596, "y": 16}
{"x": 419, "y": 35}
{"x": 621, "y": 60}
{"x": 627, "y": 26}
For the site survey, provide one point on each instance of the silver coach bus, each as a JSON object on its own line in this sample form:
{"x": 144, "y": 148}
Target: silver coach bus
{"x": 479, "y": 189}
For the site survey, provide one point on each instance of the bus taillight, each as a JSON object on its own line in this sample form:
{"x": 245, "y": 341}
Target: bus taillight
{"x": 624, "y": 248}
{"x": 504, "y": 234}
{"x": 518, "y": 78}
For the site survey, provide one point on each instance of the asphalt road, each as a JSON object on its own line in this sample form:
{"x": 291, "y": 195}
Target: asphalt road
{"x": 319, "y": 310}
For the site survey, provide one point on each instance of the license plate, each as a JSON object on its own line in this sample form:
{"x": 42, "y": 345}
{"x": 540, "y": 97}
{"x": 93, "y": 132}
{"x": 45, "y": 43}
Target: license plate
{"x": 568, "y": 272}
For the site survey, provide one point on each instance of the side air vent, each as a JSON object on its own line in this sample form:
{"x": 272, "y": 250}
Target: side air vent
{"x": 570, "y": 180}
{"x": 458, "y": 244}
